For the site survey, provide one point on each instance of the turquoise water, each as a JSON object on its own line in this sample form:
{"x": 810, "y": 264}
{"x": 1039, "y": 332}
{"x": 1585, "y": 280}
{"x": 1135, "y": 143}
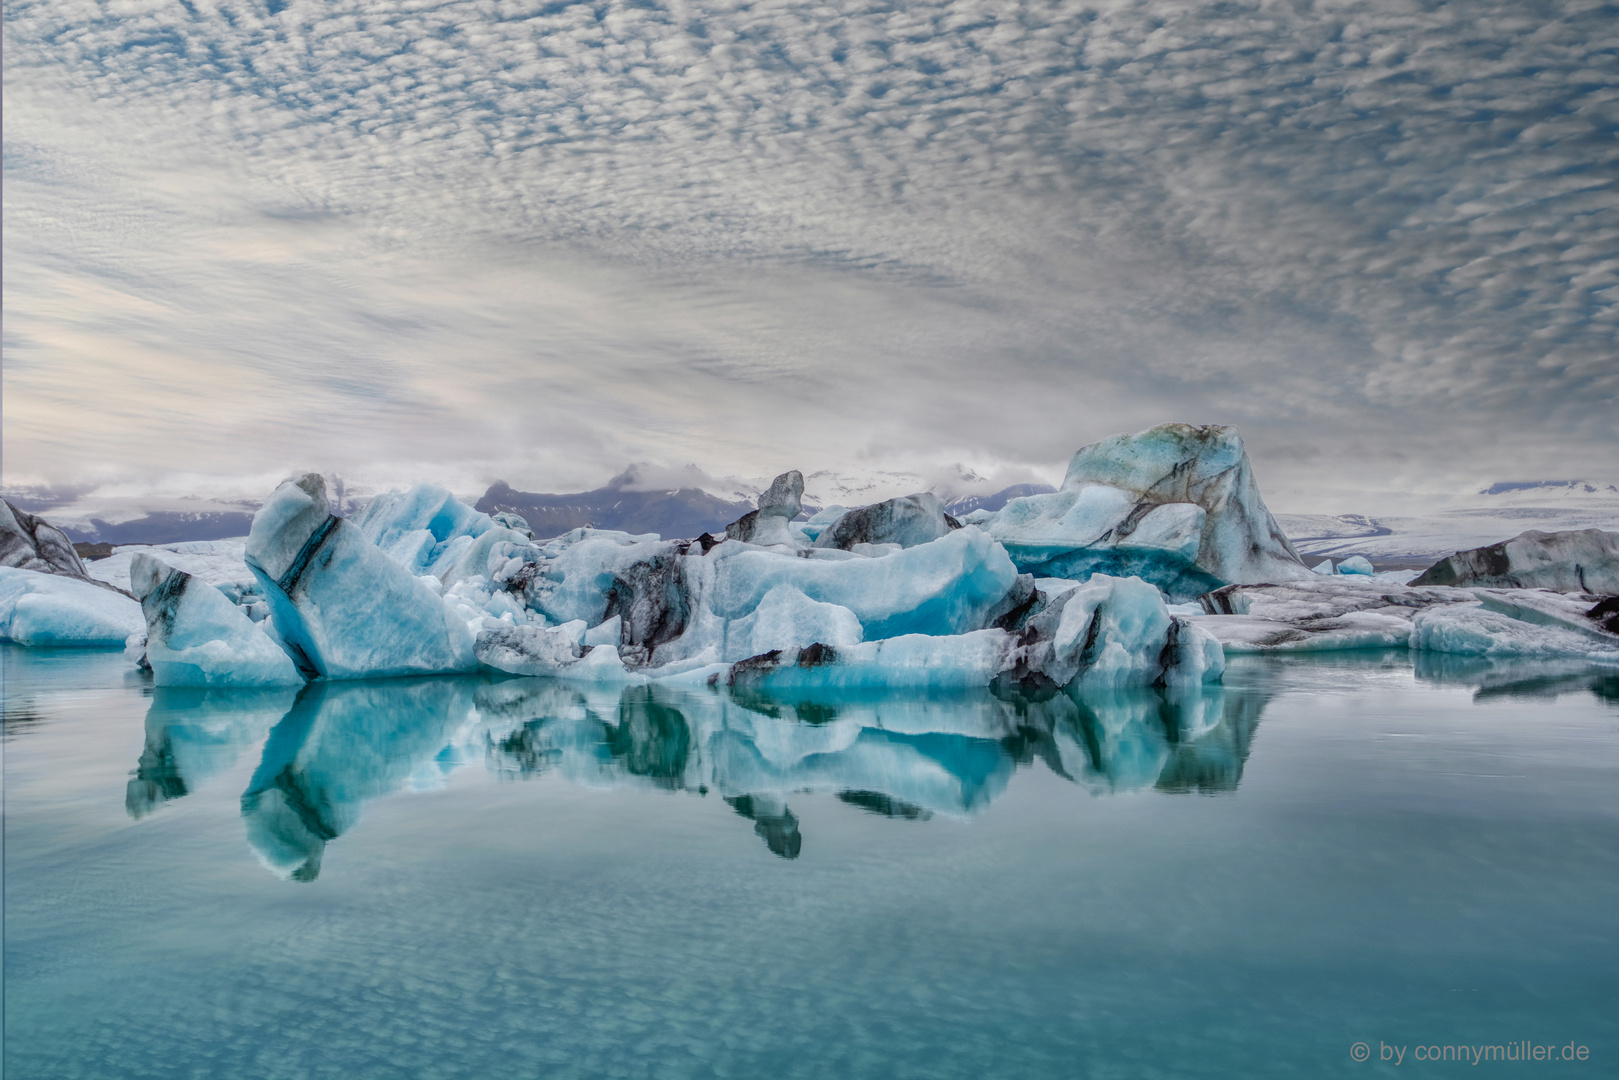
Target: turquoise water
{"x": 481, "y": 878}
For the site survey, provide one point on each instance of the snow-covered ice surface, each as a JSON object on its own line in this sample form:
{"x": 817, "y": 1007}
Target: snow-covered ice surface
{"x": 195, "y": 636}
{"x": 50, "y": 609}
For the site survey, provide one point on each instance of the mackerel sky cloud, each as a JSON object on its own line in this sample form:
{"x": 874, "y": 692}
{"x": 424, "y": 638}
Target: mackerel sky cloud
{"x": 464, "y": 240}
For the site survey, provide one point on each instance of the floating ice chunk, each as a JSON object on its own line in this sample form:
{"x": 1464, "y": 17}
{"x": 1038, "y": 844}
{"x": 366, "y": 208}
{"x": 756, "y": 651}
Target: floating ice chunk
{"x": 1175, "y": 504}
{"x": 51, "y": 609}
{"x": 1106, "y": 633}
{"x": 345, "y": 609}
{"x": 1323, "y": 567}
{"x": 196, "y": 637}
{"x": 1356, "y": 564}
{"x": 32, "y": 543}
{"x": 1351, "y": 630}
{"x": 1113, "y": 632}
{"x": 1474, "y": 630}
{"x": 1582, "y": 560}
{"x": 940, "y": 588}
{"x": 907, "y": 521}
{"x": 768, "y": 525}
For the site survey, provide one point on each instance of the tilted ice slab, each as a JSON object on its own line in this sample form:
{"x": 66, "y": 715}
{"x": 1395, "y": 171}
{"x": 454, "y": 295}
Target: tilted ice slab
{"x": 1175, "y": 504}
{"x": 50, "y": 609}
{"x": 196, "y": 637}
{"x": 1584, "y": 561}
{"x": 344, "y": 609}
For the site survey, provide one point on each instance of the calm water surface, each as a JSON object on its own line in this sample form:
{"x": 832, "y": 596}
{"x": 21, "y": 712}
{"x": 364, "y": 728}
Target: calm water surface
{"x": 517, "y": 878}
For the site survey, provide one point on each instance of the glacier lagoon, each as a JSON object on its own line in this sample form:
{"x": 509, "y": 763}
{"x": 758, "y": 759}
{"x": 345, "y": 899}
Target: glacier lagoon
{"x": 478, "y": 876}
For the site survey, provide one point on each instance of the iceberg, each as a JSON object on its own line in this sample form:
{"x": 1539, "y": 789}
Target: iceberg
{"x": 1176, "y": 505}
{"x": 1359, "y": 612}
{"x": 1486, "y": 630}
{"x": 907, "y": 521}
{"x": 430, "y": 532}
{"x": 768, "y": 525}
{"x": 1104, "y": 634}
{"x": 31, "y": 543}
{"x": 195, "y": 636}
{"x": 344, "y": 609}
{"x": 52, "y": 609}
{"x": 1581, "y": 560}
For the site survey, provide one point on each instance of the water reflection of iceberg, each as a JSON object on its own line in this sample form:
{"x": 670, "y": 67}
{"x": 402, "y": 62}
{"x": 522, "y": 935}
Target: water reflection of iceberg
{"x": 341, "y": 744}
{"x": 1508, "y": 678}
{"x": 193, "y": 734}
{"x": 906, "y": 757}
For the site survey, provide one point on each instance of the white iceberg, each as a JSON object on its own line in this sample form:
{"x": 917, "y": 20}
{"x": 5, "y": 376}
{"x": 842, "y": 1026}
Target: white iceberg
{"x": 196, "y": 637}
{"x": 51, "y": 609}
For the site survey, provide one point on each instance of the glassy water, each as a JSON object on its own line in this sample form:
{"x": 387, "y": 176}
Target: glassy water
{"x": 472, "y": 877}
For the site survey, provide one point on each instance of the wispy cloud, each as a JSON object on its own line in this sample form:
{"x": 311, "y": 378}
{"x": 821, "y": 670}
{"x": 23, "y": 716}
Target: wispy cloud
{"x": 540, "y": 240}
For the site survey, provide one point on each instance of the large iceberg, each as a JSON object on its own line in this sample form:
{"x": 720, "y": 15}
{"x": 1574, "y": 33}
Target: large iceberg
{"x": 1581, "y": 560}
{"x": 50, "y": 609}
{"x": 343, "y": 608}
{"x": 195, "y": 636}
{"x": 1176, "y": 505}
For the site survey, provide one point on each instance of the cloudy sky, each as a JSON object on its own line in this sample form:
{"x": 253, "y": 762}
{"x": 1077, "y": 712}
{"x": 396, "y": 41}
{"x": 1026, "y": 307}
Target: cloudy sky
{"x": 499, "y": 238}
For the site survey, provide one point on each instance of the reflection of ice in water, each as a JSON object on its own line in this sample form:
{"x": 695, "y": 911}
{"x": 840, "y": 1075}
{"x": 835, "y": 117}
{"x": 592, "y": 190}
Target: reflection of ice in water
{"x": 1500, "y": 678}
{"x": 193, "y": 734}
{"x": 341, "y": 744}
{"x": 906, "y": 757}
{"x": 336, "y": 745}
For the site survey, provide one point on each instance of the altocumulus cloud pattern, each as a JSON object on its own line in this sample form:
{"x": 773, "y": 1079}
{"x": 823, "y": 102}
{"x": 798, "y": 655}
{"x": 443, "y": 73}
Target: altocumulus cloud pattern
{"x": 1321, "y": 220}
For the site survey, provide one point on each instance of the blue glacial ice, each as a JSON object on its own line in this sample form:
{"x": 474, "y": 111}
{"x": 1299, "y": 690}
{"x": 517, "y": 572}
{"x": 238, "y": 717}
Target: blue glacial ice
{"x": 51, "y": 609}
{"x": 1176, "y": 505}
{"x": 195, "y": 636}
{"x": 343, "y": 608}
{"x": 429, "y": 531}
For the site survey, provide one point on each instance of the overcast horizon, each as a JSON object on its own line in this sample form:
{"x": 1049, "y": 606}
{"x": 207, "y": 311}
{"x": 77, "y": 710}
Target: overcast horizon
{"x": 468, "y": 241}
